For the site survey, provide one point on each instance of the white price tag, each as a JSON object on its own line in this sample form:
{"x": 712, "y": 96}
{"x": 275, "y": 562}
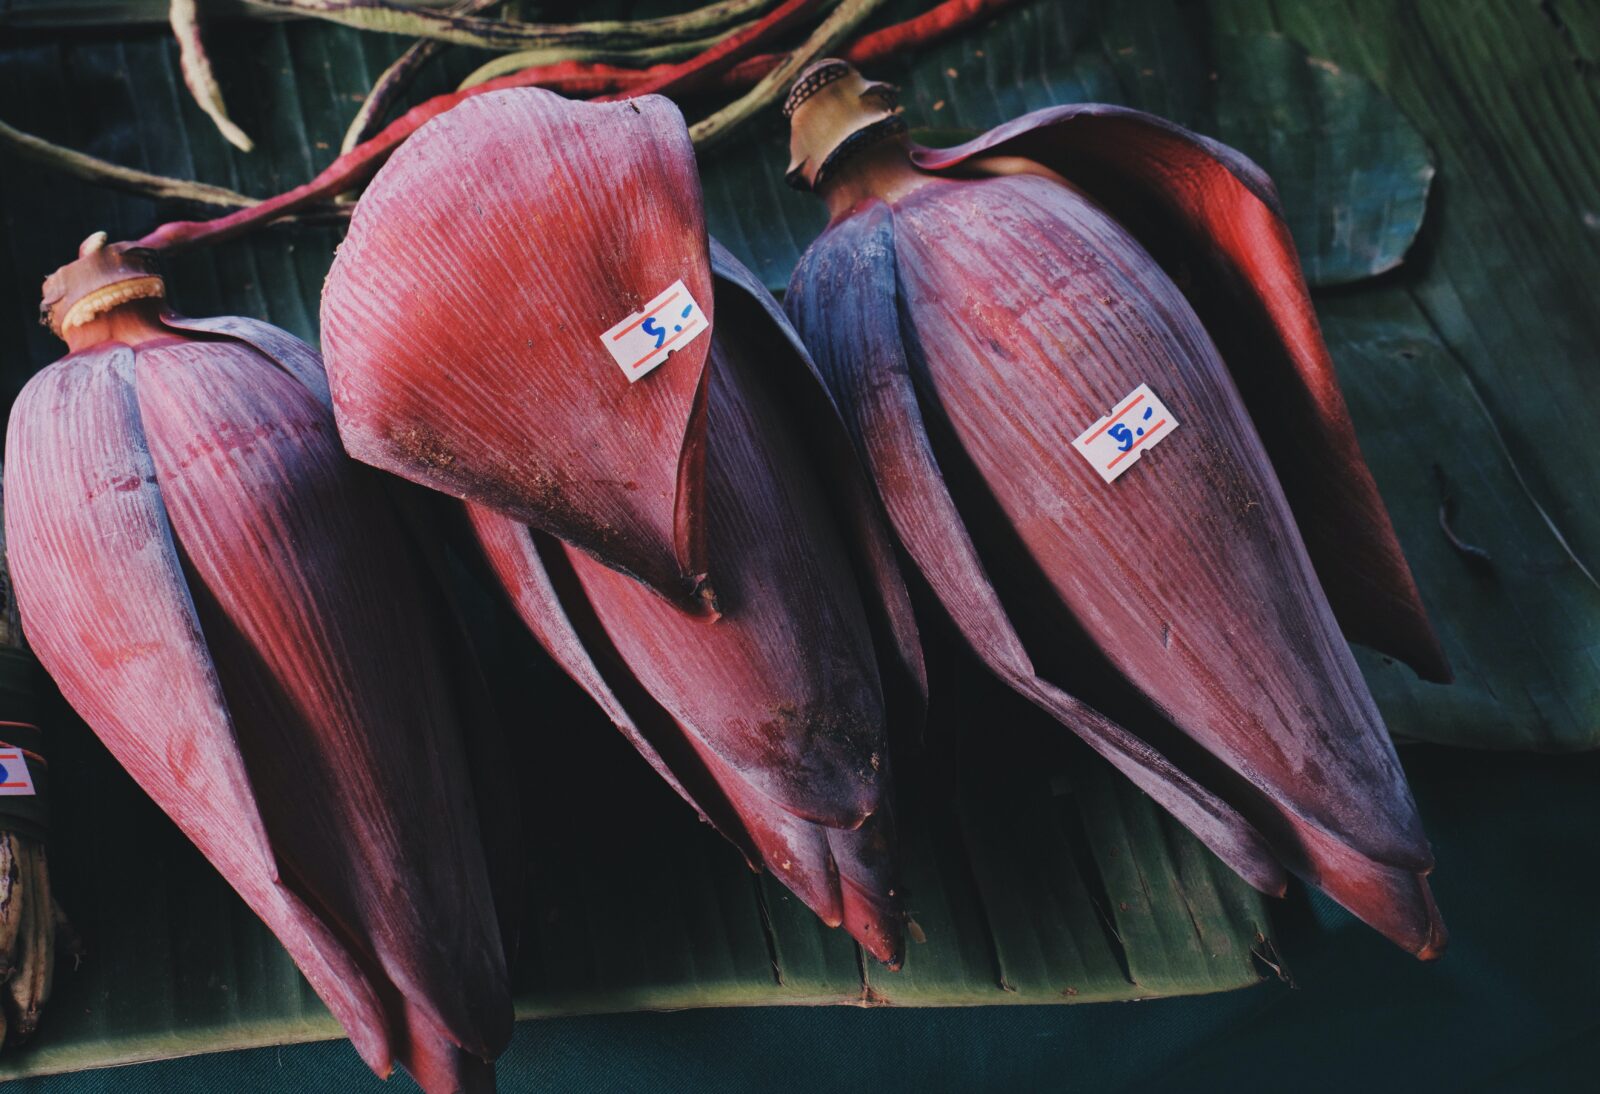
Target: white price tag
{"x": 15, "y": 780}
{"x": 1115, "y": 442}
{"x": 643, "y": 340}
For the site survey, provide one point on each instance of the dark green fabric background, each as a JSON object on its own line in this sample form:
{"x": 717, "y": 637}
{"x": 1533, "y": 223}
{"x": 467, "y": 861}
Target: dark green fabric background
{"x": 1513, "y": 1006}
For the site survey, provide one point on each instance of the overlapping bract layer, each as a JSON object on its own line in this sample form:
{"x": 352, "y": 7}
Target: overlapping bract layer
{"x": 769, "y": 721}
{"x": 235, "y": 609}
{"x": 973, "y": 311}
{"x": 482, "y": 267}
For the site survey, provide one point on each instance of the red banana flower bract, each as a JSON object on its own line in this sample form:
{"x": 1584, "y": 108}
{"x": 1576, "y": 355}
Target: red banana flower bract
{"x": 973, "y": 310}
{"x": 781, "y": 754}
{"x": 514, "y": 170}
{"x": 463, "y": 322}
{"x": 233, "y": 606}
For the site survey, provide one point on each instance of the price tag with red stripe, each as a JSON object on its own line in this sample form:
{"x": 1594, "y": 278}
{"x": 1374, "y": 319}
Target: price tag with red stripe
{"x": 15, "y": 779}
{"x": 1134, "y": 426}
{"x": 647, "y": 337}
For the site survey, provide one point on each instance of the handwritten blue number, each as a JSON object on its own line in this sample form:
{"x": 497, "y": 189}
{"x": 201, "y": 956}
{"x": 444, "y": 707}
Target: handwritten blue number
{"x": 1123, "y": 436}
{"x": 652, "y": 327}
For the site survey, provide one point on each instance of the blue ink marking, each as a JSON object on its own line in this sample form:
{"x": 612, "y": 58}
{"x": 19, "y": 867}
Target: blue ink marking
{"x": 1148, "y": 411}
{"x": 4, "y": 774}
{"x": 652, "y": 327}
{"x": 687, "y": 310}
{"x": 1123, "y": 435}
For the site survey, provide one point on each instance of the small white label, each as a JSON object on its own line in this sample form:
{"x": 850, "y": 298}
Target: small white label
{"x": 643, "y": 340}
{"x": 1115, "y": 442}
{"x": 15, "y": 781}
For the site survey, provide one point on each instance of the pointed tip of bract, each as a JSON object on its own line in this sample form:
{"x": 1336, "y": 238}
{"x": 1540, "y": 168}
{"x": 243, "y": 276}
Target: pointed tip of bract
{"x": 868, "y": 890}
{"x": 1438, "y": 937}
{"x": 1370, "y": 585}
{"x": 879, "y": 930}
{"x": 1427, "y": 657}
{"x": 1399, "y": 905}
{"x": 438, "y": 1064}
{"x": 1394, "y": 900}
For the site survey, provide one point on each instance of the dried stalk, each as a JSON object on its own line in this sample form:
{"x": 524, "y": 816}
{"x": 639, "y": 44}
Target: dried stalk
{"x": 398, "y": 76}
{"x": 184, "y": 16}
{"x": 579, "y": 79}
{"x": 91, "y": 169}
{"x": 356, "y": 166}
{"x": 700, "y": 72}
{"x": 635, "y": 59}
{"x": 469, "y": 30}
{"x": 727, "y": 64}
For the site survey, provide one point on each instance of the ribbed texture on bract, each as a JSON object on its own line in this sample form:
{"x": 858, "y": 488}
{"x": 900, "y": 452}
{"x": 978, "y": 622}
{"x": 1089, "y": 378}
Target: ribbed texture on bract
{"x": 464, "y": 314}
{"x": 1210, "y": 216}
{"x": 973, "y": 316}
{"x": 770, "y": 719}
{"x": 486, "y": 260}
{"x": 234, "y": 608}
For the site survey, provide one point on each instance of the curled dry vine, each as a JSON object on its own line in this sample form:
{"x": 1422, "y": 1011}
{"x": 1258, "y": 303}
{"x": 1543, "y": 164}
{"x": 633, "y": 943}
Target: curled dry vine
{"x": 730, "y": 62}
